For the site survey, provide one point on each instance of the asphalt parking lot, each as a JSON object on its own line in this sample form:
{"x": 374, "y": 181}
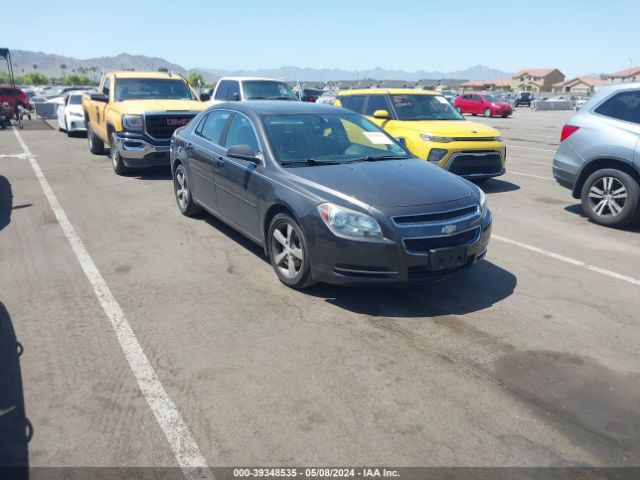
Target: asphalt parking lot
{"x": 532, "y": 358}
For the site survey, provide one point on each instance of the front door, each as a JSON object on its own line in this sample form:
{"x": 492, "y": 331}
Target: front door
{"x": 240, "y": 184}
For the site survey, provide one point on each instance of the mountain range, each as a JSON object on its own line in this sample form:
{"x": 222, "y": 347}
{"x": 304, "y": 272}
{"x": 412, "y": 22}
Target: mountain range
{"x": 49, "y": 64}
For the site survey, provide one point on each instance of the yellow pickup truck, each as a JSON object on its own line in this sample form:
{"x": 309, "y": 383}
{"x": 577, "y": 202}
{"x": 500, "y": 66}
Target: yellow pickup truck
{"x": 135, "y": 114}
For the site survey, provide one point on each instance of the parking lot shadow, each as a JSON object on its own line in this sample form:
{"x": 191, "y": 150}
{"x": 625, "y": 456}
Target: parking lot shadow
{"x": 155, "y": 173}
{"x": 234, "y": 235}
{"x": 498, "y": 186}
{"x": 576, "y": 209}
{"x": 476, "y": 289}
{"x": 15, "y": 429}
{"x": 6, "y": 202}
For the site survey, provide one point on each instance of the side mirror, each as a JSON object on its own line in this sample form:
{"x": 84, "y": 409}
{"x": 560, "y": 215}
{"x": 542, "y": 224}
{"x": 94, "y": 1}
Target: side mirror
{"x": 243, "y": 152}
{"x": 205, "y": 97}
{"x": 381, "y": 114}
{"x": 99, "y": 97}
{"x": 235, "y": 97}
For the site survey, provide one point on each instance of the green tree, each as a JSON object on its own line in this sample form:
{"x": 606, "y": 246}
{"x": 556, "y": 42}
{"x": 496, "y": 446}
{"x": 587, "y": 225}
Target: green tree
{"x": 196, "y": 79}
{"x": 34, "y": 78}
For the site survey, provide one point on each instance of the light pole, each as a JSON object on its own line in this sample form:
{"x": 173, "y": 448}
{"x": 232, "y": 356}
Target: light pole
{"x": 630, "y": 67}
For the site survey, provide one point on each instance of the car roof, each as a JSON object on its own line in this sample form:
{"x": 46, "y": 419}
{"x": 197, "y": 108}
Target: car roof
{"x": 390, "y": 91}
{"x": 244, "y": 79}
{"x": 134, "y": 74}
{"x": 281, "y": 107}
{"x": 612, "y": 87}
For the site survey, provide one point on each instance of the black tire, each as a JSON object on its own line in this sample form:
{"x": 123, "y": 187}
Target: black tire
{"x": 96, "y": 146}
{"x": 185, "y": 202}
{"x": 505, "y": 116}
{"x": 67, "y": 128}
{"x": 487, "y": 112}
{"x": 474, "y": 114}
{"x": 611, "y": 183}
{"x": 302, "y": 276}
{"x": 116, "y": 159}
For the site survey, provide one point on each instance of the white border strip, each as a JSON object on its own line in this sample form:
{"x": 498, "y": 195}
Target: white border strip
{"x": 531, "y": 148}
{"x": 572, "y": 261}
{"x": 529, "y": 175}
{"x": 184, "y": 446}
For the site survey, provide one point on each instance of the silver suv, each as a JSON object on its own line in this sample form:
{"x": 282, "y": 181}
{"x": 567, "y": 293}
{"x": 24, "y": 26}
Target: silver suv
{"x": 599, "y": 155}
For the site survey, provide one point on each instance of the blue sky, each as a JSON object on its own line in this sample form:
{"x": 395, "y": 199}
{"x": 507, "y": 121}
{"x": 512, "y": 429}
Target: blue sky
{"x": 577, "y": 37}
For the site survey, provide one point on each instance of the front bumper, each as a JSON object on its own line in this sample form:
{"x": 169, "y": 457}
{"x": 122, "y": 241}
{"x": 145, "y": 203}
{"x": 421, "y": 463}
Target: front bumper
{"x": 138, "y": 150}
{"x": 340, "y": 261}
{"x": 76, "y": 124}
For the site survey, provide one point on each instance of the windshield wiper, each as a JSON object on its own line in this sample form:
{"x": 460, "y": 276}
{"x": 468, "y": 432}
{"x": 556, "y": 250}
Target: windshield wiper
{"x": 377, "y": 158}
{"x": 256, "y": 98}
{"x": 310, "y": 162}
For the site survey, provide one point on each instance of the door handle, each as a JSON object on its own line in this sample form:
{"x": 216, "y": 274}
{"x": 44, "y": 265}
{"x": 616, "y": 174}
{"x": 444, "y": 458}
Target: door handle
{"x": 220, "y": 161}
{"x": 188, "y": 146}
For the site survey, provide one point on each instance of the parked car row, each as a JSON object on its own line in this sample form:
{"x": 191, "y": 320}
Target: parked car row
{"x": 372, "y": 189}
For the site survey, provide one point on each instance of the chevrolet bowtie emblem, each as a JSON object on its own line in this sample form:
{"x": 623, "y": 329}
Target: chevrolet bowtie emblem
{"x": 449, "y": 229}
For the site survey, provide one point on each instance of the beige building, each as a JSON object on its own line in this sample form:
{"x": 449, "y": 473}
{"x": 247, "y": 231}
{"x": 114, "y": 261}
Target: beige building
{"x": 536, "y": 79}
{"x": 628, "y": 75}
{"x": 579, "y": 85}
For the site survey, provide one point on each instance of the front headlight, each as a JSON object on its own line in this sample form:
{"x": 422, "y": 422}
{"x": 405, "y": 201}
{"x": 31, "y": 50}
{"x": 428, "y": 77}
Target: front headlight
{"x": 346, "y": 222}
{"x": 427, "y": 137}
{"x": 483, "y": 200}
{"x": 133, "y": 123}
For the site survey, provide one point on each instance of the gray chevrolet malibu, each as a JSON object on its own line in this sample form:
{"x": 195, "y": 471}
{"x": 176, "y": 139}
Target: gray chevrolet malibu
{"x": 327, "y": 194}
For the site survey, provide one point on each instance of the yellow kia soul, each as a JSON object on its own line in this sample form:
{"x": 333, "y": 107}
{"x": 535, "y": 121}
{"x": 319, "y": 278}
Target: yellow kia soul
{"x": 432, "y": 129}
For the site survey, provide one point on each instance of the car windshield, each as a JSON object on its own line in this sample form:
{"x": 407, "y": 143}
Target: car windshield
{"x": 267, "y": 90}
{"x": 75, "y": 100}
{"x": 328, "y": 138}
{"x": 151, "y": 89}
{"x": 424, "y": 107}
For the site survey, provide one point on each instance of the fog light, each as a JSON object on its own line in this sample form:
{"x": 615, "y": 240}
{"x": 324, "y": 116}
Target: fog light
{"x": 436, "y": 154}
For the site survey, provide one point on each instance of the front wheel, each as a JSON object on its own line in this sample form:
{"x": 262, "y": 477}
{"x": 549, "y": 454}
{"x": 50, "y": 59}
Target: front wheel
{"x": 288, "y": 252}
{"x": 487, "y": 112}
{"x": 610, "y": 197}
{"x": 116, "y": 159}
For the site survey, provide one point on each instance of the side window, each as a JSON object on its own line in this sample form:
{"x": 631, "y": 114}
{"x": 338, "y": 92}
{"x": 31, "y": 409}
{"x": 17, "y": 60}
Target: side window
{"x": 221, "y": 91}
{"x": 376, "y": 102}
{"x": 233, "y": 92}
{"x": 623, "y": 106}
{"x": 241, "y": 133}
{"x": 356, "y": 103}
{"x": 475, "y": 98}
{"x": 211, "y": 127}
{"x": 466, "y": 97}
{"x": 106, "y": 87}
{"x": 344, "y": 101}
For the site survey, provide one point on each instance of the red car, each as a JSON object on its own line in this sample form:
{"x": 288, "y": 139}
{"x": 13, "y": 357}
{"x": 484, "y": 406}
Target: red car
{"x": 481, "y": 104}
{"x": 14, "y": 97}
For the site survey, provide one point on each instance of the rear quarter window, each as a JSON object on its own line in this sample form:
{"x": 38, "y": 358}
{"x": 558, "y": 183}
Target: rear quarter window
{"x": 622, "y": 106}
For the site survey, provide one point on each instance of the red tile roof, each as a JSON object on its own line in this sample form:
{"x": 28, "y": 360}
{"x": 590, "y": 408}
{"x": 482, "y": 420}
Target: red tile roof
{"x": 626, "y": 73}
{"x": 590, "y": 81}
{"x": 534, "y": 72}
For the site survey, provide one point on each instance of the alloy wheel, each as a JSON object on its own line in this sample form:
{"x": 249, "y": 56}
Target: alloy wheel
{"x": 182, "y": 189}
{"x": 287, "y": 250}
{"x": 607, "y": 197}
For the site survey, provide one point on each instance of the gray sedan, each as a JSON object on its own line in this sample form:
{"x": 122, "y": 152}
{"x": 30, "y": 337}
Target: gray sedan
{"x": 327, "y": 194}
{"x": 599, "y": 155}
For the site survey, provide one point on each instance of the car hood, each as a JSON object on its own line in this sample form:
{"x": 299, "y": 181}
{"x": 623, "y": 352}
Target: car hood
{"x": 389, "y": 183}
{"x": 451, "y": 128}
{"x": 142, "y": 106}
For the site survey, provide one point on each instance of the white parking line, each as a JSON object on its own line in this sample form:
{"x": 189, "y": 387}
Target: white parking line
{"x": 531, "y": 148}
{"x": 529, "y": 175}
{"x": 509, "y": 132}
{"x": 186, "y": 450}
{"x": 572, "y": 261}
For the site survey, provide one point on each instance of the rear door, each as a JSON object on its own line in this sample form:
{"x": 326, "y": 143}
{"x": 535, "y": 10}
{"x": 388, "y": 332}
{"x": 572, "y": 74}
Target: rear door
{"x": 475, "y": 104}
{"x": 202, "y": 153}
{"x": 240, "y": 184}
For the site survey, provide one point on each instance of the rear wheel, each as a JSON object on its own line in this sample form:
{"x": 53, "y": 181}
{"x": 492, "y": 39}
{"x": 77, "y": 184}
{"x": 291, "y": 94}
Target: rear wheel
{"x": 96, "y": 146}
{"x": 610, "y": 197}
{"x": 182, "y": 190}
{"x": 487, "y": 112}
{"x": 288, "y": 252}
{"x": 116, "y": 159}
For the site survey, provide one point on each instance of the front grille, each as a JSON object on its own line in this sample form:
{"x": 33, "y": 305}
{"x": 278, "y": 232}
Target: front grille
{"x": 488, "y": 163}
{"x": 163, "y": 125}
{"x": 474, "y": 139}
{"x": 436, "y": 217}
{"x": 423, "y": 245}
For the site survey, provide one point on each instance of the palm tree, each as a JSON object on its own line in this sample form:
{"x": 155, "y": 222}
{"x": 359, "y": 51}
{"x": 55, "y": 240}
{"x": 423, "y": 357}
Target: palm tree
{"x": 35, "y": 67}
{"x": 63, "y": 68}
